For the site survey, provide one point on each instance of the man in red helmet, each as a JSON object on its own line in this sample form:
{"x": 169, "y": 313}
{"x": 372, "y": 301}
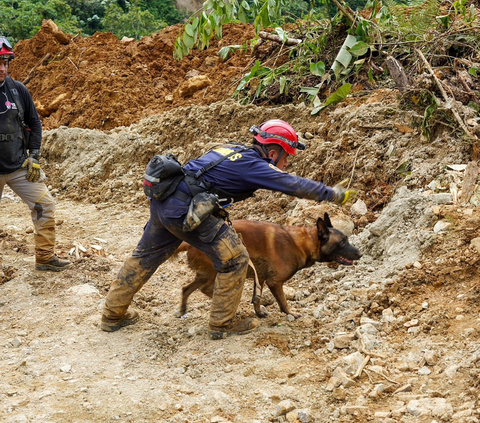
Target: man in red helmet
{"x": 227, "y": 174}
{"x": 20, "y": 142}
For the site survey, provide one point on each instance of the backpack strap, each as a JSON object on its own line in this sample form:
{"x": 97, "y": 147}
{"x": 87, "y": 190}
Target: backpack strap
{"x": 16, "y": 97}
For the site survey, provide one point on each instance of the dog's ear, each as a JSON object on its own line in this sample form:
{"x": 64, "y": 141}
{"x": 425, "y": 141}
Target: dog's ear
{"x": 326, "y": 218}
{"x": 323, "y": 231}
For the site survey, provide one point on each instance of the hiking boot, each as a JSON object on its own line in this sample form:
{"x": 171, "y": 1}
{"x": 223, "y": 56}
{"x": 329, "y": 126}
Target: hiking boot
{"x": 54, "y": 264}
{"x": 111, "y": 325}
{"x": 240, "y": 327}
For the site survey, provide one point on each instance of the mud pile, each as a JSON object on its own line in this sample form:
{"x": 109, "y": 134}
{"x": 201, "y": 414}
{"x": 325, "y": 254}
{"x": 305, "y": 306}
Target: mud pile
{"x": 101, "y": 82}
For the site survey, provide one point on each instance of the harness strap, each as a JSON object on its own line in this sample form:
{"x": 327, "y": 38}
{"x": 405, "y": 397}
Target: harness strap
{"x": 211, "y": 165}
{"x": 16, "y": 97}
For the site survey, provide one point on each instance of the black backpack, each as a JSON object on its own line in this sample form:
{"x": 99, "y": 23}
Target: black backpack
{"x": 162, "y": 176}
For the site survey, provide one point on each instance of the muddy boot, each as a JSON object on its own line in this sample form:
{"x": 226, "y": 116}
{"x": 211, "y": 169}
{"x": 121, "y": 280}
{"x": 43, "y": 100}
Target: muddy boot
{"x": 240, "y": 327}
{"x": 54, "y": 264}
{"x": 111, "y": 325}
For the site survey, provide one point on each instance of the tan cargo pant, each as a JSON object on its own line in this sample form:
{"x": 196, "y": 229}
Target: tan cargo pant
{"x": 42, "y": 208}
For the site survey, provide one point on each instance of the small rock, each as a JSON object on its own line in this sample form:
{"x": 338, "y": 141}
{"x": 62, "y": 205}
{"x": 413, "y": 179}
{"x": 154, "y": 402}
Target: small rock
{"x": 356, "y": 409}
{"x": 298, "y": 416}
{"x": 423, "y": 371}
{"x": 308, "y": 135}
{"x": 285, "y": 406}
{"x": 66, "y": 368}
{"x": 431, "y": 357}
{"x": 409, "y": 324}
{"x": 339, "y": 393}
{"x": 359, "y": 208}
{"x": 343, "y": 341}
{"x": 475, "y": 243}
{"x": 441, "y": 226}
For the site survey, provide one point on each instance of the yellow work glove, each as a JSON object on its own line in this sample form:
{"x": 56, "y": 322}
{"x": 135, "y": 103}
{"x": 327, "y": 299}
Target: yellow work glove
{"x": 33, "y": 169}
{"x": 343, "y": 195}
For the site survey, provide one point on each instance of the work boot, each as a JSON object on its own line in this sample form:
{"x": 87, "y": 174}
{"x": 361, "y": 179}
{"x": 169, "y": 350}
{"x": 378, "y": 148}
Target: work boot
{"x": 112, "y": 325}
{"x": 54, "y": 264}
{"x": 240, "y": 327}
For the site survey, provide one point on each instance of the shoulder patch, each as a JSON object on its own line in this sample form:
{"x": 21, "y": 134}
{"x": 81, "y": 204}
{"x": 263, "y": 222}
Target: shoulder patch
{"x": 223, "y": 151}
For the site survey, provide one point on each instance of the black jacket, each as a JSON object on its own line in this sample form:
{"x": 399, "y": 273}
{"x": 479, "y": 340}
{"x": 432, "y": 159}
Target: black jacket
{"x": 13, "y": 149}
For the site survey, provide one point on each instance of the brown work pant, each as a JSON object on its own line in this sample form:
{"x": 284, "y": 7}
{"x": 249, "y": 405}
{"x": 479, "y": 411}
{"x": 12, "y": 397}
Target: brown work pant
{"x": 42, "y": 208}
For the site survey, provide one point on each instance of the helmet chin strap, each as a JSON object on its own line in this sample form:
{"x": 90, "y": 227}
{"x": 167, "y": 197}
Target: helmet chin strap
{"x": 279, "y": 157}
{"x": 265, "y": 151}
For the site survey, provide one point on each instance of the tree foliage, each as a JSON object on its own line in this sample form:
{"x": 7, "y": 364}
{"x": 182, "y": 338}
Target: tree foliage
{"x": 21, "y": 19}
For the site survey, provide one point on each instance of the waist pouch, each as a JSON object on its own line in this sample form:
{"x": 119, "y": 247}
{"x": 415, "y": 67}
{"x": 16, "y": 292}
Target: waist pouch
{"x": 202, "y": 205}
{"x": 162, "y": 176}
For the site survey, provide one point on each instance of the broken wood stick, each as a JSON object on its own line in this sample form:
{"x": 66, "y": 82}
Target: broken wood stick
{"x": 451, "y": 101}
{"x": 30, "y": 74}
{"x": 274, "y": 37}
{"x": 362, "y": 366}
{"x": 469, "y": 182}
{"x": 398, "y": 74}
{"x": 346, "y": 10}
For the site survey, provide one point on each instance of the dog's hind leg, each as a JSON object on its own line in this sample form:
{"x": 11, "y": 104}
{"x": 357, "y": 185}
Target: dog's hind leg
{"x": 277, "y": 290}
{"x": 202, "y": 282}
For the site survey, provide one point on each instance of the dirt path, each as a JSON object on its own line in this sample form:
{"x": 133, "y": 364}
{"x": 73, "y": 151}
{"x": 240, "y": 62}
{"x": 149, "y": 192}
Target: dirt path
{"x": 58, "y": 366}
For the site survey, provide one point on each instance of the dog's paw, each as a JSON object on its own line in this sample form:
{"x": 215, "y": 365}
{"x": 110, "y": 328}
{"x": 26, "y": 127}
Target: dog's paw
{"x": 180, "y": 313}
{"x": 262, "y": 312}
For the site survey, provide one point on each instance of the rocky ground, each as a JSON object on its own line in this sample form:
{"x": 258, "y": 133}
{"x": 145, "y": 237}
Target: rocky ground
{"x": 395, "y": 338}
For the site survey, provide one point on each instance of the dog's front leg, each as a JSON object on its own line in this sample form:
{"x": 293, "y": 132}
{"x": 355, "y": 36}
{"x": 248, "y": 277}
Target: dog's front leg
{"x": 277, "y": 291}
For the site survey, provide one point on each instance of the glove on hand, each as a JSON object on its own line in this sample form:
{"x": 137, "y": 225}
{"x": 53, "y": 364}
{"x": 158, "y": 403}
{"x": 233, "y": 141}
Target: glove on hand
{"x": 33, "y": 167}
{"x": 341, "y": 194}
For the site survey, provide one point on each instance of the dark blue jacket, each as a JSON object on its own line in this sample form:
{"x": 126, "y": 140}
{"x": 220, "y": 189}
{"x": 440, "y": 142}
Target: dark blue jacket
{"x": 248, "y": 171}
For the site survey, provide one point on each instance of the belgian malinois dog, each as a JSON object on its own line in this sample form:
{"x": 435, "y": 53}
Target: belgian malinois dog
{"x": 278, "y": 252}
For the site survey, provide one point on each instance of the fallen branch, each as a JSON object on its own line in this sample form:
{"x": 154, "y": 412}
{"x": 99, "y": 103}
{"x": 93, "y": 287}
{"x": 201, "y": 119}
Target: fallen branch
{"x": 349, "y": 13}
{"x": 448, "y": 100}
{"x": 278, "y": 39}
{"x": 382, "y": 375}
{"x": 30, "y": 74}
{"x": 469, "y": 182}
{"x": 362, "y": 366}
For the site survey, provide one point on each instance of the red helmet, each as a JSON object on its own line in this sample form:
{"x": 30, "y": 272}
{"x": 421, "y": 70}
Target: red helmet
{"x": 6, "y": 49}
{"x": 279, "y": 132}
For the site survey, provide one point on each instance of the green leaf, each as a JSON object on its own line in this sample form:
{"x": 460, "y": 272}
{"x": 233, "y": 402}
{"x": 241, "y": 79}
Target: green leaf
{"x": 188, "y": 40}
{"x": 282, "y": 34}
{"x": 311, "y": 91}
{"x": 317, "y": 69}
{"x": 403, "y": 169}
{"x": 226, "y": 51}
{"x": 189, "y": 30}
{"x": 339, "y": 95}
{"x": 359, "y": 49}
{"x": 473, "y": 71}
{"x": 283, "y": 83}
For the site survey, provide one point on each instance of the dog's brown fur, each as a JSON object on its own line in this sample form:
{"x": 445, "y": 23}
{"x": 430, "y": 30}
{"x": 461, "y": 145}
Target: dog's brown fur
{"x": 277, "y": 252}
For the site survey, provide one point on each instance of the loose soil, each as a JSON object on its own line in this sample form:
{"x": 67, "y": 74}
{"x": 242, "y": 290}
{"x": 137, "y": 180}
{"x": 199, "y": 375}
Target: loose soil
{"x": 408, "y": 308}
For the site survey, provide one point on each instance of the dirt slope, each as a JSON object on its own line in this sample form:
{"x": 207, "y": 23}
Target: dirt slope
{"x": 395, "y": 338}
{"x": 101, "y": 82}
